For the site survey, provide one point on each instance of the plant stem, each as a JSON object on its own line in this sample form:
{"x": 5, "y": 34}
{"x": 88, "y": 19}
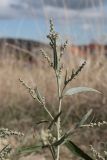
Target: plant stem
{"x": 46, "y": 109}
{"x": 58, "y": 129}
{"x": 59, "y": 119}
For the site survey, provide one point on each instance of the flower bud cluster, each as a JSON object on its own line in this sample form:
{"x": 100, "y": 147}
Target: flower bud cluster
{"x": 47, "y": 58}
{"x": 47, "y": 137}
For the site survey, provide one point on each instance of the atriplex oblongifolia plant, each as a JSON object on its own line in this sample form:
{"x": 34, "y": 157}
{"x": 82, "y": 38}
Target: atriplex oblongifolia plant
{"x": 53, "y": 137}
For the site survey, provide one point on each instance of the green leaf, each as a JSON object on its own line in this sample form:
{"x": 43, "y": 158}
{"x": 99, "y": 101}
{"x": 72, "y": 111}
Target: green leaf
{"x": 61, "y": 140}
{"x": 29, "y": 149}
{"x": 42, "y": 121}
{"x": 77, "y": 151}
{"x": 76, "y": 90}
{"x": 52, "y": 150}
{"x": 54, "y": 120}
{"x": 85, "y": 117}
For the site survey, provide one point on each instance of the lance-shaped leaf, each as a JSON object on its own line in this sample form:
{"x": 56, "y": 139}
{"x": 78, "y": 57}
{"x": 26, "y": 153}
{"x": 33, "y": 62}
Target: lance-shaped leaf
{"x": 85, "y": 117}
{"x": 61, "y": 140}
{"x": 52, "y": 150}
{"x": 77, "y": 151}
{"x": 42, "y": 121}
{"x": 54, "y": 120}
{"x": 30, "y": 149}
{"x": 76, "y": 90}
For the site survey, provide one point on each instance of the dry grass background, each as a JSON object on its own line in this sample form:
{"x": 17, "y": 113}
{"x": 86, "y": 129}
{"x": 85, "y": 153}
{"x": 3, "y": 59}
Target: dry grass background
{"x": 19, "y": 111}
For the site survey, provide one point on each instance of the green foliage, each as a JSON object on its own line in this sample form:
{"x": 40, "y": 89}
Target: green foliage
{"x": 77, "y": 151}
{"x": 29, "y": 149}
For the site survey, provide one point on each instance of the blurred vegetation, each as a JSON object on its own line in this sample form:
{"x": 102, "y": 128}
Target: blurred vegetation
{"x": 19, "y": 111}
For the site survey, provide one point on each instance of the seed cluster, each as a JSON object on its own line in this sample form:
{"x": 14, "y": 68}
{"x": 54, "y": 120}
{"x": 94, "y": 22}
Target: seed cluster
{"x": 96, "y": 154}
{"x": 4, "y": 152}
{"x": 98, "y": 124}
{"x": 47, "y": 58}
{"x": 5, "y": 132}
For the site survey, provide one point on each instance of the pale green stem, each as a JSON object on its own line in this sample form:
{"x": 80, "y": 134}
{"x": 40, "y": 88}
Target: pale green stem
{"x": 58, "y": 129}
{"x": 59, "y": 119}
